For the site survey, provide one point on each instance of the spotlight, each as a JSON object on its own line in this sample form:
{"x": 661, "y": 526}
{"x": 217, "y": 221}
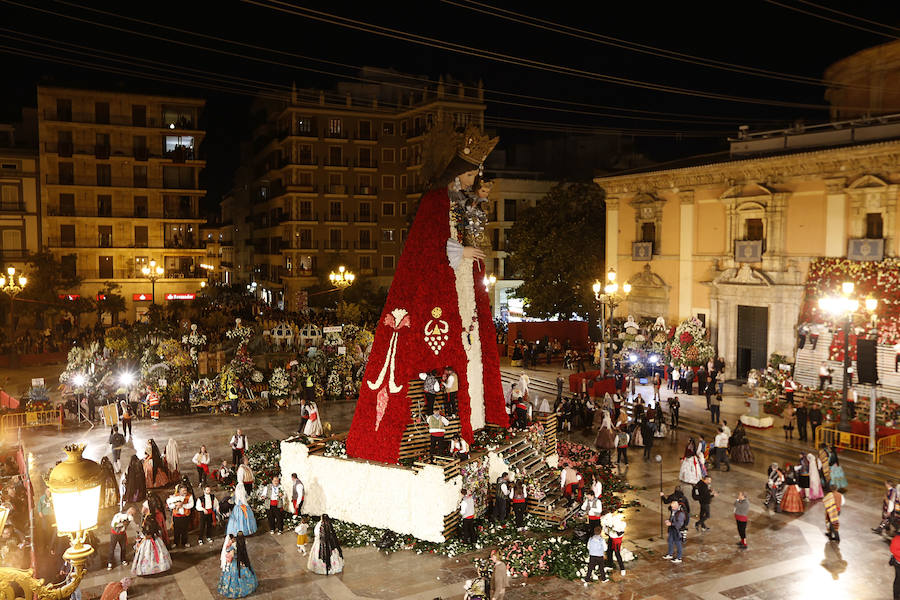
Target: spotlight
{"x": 654, "y": 359}
{"x": 633, "y": 358}
{"x": 126, "y": 378}
{"x": 78, "y": 380}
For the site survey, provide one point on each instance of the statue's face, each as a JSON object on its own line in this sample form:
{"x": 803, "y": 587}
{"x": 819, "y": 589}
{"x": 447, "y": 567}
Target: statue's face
{"x": 467, "y": 179}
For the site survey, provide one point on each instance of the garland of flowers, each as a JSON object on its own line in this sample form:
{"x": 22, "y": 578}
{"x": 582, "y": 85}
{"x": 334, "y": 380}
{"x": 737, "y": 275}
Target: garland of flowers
{"x": 539, "y": 551}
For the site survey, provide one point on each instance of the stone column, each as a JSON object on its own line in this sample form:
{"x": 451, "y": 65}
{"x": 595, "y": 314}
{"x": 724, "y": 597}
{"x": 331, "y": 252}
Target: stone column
{"x": 686, "y": 255}
{"x": 612, "y": 232}
{"x": 835, "y": 217}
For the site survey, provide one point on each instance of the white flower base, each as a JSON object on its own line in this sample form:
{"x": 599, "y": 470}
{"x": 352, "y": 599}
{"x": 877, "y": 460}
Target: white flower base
{"x": 375, "y": 494}
{"x": 757, "y": 423}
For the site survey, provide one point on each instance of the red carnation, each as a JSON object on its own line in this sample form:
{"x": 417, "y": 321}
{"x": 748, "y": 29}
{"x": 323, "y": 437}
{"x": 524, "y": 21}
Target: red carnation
{"x": 671, "y": 333}
{"x": 686, "y": 337}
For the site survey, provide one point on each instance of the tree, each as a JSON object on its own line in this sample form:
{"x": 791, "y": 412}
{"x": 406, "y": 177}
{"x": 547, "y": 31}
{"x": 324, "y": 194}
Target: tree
{"x": 46, "y": 281}
{"x": 110, "y": 302}
{"x": 558, "y": 248}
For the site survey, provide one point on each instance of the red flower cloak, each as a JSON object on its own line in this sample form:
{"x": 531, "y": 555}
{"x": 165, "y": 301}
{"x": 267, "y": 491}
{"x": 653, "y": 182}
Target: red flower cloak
{"x": 421, "y": 329}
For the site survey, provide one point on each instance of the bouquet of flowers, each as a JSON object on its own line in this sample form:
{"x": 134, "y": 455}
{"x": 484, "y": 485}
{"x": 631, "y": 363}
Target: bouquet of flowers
{"x": 279, "y": 384}
{"x": 688, "y": 344}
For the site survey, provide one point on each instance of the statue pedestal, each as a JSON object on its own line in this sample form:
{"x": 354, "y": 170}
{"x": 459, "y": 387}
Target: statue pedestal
{"x": 755, "y": 417}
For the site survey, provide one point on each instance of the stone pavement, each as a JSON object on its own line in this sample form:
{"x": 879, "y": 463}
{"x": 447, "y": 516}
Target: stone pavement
{"x": 788, "y": 557}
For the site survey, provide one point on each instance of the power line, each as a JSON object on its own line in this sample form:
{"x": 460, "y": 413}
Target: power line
{"x": 830, "y": 19}
{"x": 583, "y": 34}
{"x": 848, "y": 15}
{"x": 322, "y": 16}
{"x": 358, "y": 68}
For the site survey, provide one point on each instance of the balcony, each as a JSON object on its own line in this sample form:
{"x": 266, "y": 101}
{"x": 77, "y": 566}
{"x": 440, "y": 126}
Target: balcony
{"x": 179, "y": 213}
{"x": 335, "y": 245}
{"x": 343, "y": 163}
{"x": 183, "y": 244}
{"x": 298, "y": 272}
{"x": 64, "y": 149}
{"x": 13, "y": 253}
{"x": 415, "y": 189}
{"x": 116, "y": 182}
{"x": 101, "y": 241}
{"x": 366, "y": 190}
{"x": 338, "y": 190}
{"x": 141, "y": 154}
{"x": 101, "y": 151}
{"x": 118, "y": 120}
{"x": 367, "y": 164}
{"x": 11, "y": 207}
{"x": 307, "y": 217}
{"x": 180, "y": 154}
{"x": 300, "y": 244}
{"x": 365, "y": 218}
{"x": 365, "y": 245}
{"x": 337, "y": 218}
{"x": 302, "y": 161}
{"x": 335, "y": 135}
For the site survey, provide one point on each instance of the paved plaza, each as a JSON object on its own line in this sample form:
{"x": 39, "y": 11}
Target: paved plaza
{"x": 788, "y": 555}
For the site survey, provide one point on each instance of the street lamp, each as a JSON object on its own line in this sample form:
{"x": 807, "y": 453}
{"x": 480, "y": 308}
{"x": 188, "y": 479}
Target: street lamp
{"x": 844, "y": 306}
{"x": 342, "y": 279}
{"x": 12, "y": 286}
{"x": 153, "y": 272}
{"x": 611, "y": 297}
{"x": 75, "y": 489}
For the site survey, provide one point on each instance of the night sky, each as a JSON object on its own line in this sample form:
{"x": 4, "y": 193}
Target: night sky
{"x": 754, "y": 33}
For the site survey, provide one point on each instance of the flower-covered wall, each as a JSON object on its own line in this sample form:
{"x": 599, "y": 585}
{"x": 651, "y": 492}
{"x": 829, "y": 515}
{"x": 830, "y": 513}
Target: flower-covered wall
{"x": 880, "y": 280}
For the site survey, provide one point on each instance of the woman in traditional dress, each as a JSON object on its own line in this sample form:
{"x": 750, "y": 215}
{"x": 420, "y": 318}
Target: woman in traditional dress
{"x": 774, "y": 487}
{"x": 691, "y": 464}
{"x": 313, "y": 427}
{"x": 606, "y": 439}
{"x": 791, "y": 501}
{"x": 157, "y": 510}
{"x": 242, "y": 519}
{"x": 109, "y": 486}
{"x": 238, "y": 578}
{"x": 836, "y": 473}
{"x": 740, "y": 445}
{"x": 437, "y": 313}
{"x": 326, "y": 556}
{"x": 135, "y": 481}
{"x": 150, "y": 554}
{"x": 172, "y": 455}
{"x": 815, "y": 483}
{"x": 156, "y": 470}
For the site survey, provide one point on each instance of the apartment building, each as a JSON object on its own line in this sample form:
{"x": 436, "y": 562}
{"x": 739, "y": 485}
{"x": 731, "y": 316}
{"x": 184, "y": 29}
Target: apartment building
{"x": 333, "y": 176}
{"x": 19, "y": 225}
{"x": 119, "y": 188}
{"x": 510, "y": 196}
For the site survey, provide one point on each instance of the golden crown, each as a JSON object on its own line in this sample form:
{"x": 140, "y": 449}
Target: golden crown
{"x": 476, "y": 146}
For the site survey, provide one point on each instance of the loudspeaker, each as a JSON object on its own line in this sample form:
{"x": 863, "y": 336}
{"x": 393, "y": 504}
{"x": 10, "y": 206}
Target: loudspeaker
{"x": 866, "y": 364}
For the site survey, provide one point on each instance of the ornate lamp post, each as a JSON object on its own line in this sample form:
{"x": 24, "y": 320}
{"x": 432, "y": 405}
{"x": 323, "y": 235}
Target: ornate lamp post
{"x": 75, "y": 488}
{"x": 12, "y": 286}
{"x": 342, "y": 279}
{"x": 611, "y": 297}
{"x": 153, "y": 272}
{"x": 845, "y": 307}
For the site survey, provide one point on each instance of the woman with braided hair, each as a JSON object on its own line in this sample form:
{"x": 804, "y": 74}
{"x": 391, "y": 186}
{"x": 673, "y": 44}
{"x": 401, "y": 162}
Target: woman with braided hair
{"x": 326, "y": 556}
{"x": 238, "y": 578}
{"x": 156, "y": 470}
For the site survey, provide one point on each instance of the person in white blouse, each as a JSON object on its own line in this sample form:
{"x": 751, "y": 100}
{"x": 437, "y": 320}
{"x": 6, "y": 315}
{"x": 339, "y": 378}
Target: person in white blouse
{"x": 467, "y": 517}
{"x": 201, "y": 460}
{"x": 207, "y": 506}
{"x": 181, "y": 503}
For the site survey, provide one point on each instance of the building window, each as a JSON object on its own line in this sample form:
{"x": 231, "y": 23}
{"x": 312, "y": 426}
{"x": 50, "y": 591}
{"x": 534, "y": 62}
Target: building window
{"x": 139, "y": 115}
{"x": 63, "y": 109}
{"x": 365, "y": 130}
{"x": 140, "y": 207}
{"x": 104, "y": 175}
{"x": 388, "y": 155}
{"x": 306, "y": 211}
{"x": 365, "y": 158}
{"x": 67, "y": 236}
{"x": 105, "y": 264}
{"x": 387, "y": 261}
{"x": 365, "y": 211}
{"x": 403, "y": 127}
{"x": 335, "y": 126}
{"x": 67, "y": 205}
{"x": 335, "y": 183}
{"x": 403, "y": 208}
{"x": 365, "y": 184}
{"x": 104, "y": 236}
{"x": 335, "y": 156}
{"x": 9, "y": 197}
{"x": 403, "y": 233}
{"x": 387, "y": 235}
{"x": 388, "y": 182}
{"x": 140, "y": 236}
{"x": 648, "y": 232}
{"x": 305, "y": 154}
{"x": 403, "y": 180}
{"x": 334, "y": 239}
{"x": 305, "y": 238}
{"x": 404, "y": 154}
{"x": 101, "y": 148}
{"x": 179, "y": 147}
{"x": 387, "y": 128}
{"x": 68, "y": 263}
{"x": 139, "y": 146}
{"x": 509, "y": 209}
{"x": 874, "y": 226}
{"x": 104, "y": 205}
{"x": 335, "y": 210}
{"x": 64, "y": 145}
{"x": 140, "y": 175}
{"x": 101, "y": 112}
{"x": 303, "y": 125}
{"x": 179, "y": 177}
{"x": 755, "y": 230}
{"x": 67, "y": 173}
{"x": 304, "y": 178}
{"x": 365, "y": 261}
{"x": 387, "y": 209}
